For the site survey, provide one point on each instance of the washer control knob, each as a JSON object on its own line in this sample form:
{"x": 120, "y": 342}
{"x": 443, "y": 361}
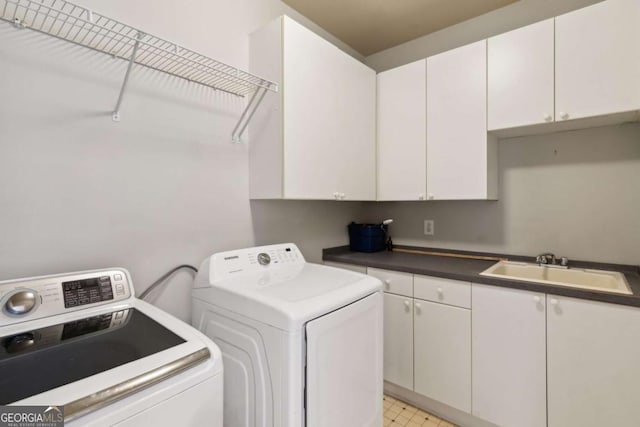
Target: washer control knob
{"x": 20, "y": 342}
{"x": 264, "y": 258}
{"x": 21, "y": 303}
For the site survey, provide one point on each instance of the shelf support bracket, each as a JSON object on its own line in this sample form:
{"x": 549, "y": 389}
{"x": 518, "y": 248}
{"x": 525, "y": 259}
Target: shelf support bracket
{"x": 116, "y": 112}
{"x": 248, "y": 113}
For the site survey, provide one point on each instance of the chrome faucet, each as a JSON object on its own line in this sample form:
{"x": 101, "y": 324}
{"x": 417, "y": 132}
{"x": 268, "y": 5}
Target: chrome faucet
{"x": 548, "y": 259}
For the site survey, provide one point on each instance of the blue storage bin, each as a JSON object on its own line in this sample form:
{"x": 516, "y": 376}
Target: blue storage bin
{"x": 367, "y": 237}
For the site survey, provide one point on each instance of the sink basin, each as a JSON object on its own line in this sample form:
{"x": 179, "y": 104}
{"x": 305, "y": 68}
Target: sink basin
{"x": 597, "y": 280}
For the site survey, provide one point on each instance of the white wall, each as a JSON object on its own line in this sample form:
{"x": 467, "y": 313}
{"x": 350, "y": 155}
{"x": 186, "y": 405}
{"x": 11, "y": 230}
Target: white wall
{"x": 162, "y": 187}
{"x": 576, "y": 194}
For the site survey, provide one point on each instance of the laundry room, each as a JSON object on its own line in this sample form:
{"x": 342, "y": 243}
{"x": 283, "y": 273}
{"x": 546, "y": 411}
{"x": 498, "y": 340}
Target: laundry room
{"x": 321, "y": 214}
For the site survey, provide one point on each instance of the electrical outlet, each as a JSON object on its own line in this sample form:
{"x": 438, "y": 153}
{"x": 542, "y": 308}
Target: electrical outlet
{"x": 429, "y": 227}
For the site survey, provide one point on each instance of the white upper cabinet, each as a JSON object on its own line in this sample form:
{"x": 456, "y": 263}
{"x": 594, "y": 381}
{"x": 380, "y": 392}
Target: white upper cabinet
{"x": 521, "y": 77}
{"x": 461, "y": 156}
{"x": 509, "y": 356}
{"x": 316, "y": 138}
{"x": 592, "y": 363}
{"x": 598, "y": 60}
{"x": 402, "y": 132}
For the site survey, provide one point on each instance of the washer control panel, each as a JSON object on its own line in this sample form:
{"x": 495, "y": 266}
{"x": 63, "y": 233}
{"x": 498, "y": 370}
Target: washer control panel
{"x": 252, "y": 260}
{"x": 34, "y": 298}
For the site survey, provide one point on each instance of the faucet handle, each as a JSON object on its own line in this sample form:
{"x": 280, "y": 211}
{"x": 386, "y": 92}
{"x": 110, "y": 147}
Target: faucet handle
{"x": 564, "y": 261}
{"x": 546, "y": 258}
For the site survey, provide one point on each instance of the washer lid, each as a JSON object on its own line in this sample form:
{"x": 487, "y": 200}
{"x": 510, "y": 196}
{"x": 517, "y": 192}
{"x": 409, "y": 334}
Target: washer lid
{"x": 289, "y": 296}
{"x": 76, "y": 355}
{"x": 43, "y": 359}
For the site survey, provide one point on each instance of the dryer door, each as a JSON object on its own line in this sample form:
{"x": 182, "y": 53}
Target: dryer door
{"x": 344, "y": 366}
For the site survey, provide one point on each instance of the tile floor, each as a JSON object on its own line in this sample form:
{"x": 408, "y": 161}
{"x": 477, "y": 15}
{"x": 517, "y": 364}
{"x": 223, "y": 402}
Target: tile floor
{"x": 398, "y": 413}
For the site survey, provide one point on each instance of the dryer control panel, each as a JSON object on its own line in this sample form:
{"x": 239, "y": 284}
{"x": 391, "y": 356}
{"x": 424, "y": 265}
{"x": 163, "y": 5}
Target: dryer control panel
{"x": 254, "y": 260}
{"x": 37, "y": 297}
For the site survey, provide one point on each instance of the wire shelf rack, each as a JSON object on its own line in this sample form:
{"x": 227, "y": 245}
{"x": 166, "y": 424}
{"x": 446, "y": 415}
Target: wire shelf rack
{"x": 82, "y": 26}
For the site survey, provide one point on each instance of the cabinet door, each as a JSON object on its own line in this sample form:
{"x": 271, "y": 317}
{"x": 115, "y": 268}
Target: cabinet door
{"x": 593, "y": 352}
{"x": 521, "y": 76}
{"x": 442, "y": 357}
{"x": 395, "y": 282}
{"x": 398, "y": 340}
{"x": 459, "y": 159}
{"x": 598, "y": 60}
{"x": 444, "y": 291}
{"x": 402, "y": 132}
{"x": 509, "y": 356}
{"x": 329, "y": 119}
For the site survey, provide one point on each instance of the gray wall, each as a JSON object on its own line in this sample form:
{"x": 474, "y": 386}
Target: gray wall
{"x": 162, "y": 187}
{"x": 312, "y": 225}
{"x": 508, "y": 18}
{"x": 576, "y": 194}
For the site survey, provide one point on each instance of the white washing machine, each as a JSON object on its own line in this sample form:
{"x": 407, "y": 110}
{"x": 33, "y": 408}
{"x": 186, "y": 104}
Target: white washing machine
{"x": 84, "y": 343}
{"x": 301, "y": 343}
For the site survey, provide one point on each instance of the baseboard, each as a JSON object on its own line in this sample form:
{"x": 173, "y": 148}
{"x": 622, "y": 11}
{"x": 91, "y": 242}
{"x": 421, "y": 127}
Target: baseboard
{"x": 439, "y": 409}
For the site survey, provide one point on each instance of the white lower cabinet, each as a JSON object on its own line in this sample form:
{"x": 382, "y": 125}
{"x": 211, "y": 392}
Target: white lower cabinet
{"x": 398, "y": 340}
{"x": 593, "y": 354}
{"x": 511, "y": 357}
{"x": 509, "y": 363}
{"x": 442, "y": 353}
{"x": 394, "y": 282}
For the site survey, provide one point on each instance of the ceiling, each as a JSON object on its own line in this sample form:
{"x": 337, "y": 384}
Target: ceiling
{"x": 370, "y": 26}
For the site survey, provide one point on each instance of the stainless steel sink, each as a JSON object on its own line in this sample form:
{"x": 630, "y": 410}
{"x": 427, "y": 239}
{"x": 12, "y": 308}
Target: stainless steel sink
{"x": 597, "y": 280}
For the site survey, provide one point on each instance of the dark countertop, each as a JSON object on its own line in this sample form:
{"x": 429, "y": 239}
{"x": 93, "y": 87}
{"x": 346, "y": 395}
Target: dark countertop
{"x": 469, "y": 270}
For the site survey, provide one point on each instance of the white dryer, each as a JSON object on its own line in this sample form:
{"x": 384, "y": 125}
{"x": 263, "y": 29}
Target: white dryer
{"x": 301, "y": 343}
{"x": 84, "y": 343}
